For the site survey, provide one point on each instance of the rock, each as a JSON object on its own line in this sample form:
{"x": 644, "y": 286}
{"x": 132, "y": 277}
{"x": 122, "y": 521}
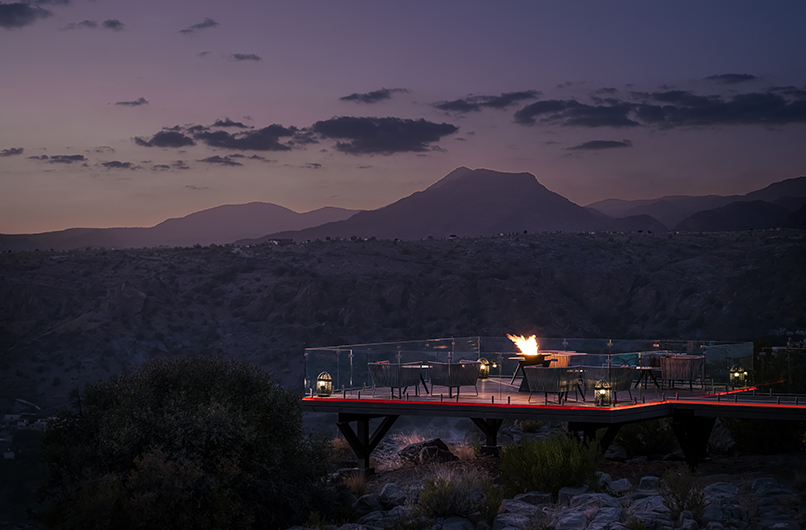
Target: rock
{"x": 720, "y": 490}
{"x": 567, "y": 494}
{"x": 366, "y": 504}
{"x": 714, "y": 525}
{"x": 457, "y": 523}
{"x": 688, "y": 524}
{"x": 594, "y": 511}
{"x": 519, "y": 507}
{"x": 392, "y": 495}
{"x": 616, "y": 453}
{"x": 535, "y": 497}
{"x": 676, "y": 456}
{"x": 434, "y": 455}
{"x": 510, "y": 520}
{"x": 649, "y": 483}
{"x": 620, "y": 486}
{"x": 351, "y": 526}
{"x": 604, "y": 480}
{"x": 771, "y": 495}
{"x": 372, "y": 519}
{"x": 651, "y": 511}
{"x": 411, "y": 453}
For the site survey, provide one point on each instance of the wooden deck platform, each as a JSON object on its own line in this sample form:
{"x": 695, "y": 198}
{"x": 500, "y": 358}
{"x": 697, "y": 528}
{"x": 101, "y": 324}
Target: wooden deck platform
{"x": 693, "y": 411}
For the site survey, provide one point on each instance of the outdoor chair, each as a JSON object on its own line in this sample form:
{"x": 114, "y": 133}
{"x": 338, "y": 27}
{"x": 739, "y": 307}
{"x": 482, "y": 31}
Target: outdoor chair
{"x": 682, "y": 367}
{"x": 618, "y": 377}
{"x": 396, "y": 376}
{"x": 551, "y": 380}
{"x": 455, "y": 375}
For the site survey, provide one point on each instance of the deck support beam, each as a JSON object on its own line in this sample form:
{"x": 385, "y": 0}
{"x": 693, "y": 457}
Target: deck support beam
{"x": 692, "y": 434}
{"x": 361, "y": 442}
{"x": 490, "y": 429}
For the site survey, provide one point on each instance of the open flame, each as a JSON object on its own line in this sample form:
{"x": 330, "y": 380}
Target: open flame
{"x": 526, "y": 346}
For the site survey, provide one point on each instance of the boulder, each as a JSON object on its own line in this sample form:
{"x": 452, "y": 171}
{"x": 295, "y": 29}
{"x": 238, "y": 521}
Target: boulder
{"x": 616, "y": 453}
{"x": 366, "y": 504}
{"x": 411, "y": 453}
{"x": 510, "y": 521}
{"x": 434, "y": 455}
{"x": 593, "y": 511}
{"x": 457, "y": 523}
{"x": 392, "y": 495}
{"x": 649, "y": 483}
{"x": 519, "y": 507}
{"x": 535, "y": 497}
{"x": 566, "y": 495}
{"x": 604, "y": 480}
{"x": 651, "y": 511}
{"x": 620, "y": 486}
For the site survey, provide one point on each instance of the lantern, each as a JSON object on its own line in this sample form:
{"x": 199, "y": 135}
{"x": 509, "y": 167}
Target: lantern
{"x": 324, "y": 385}
{"x": 602, "y": 394}
{"x": 484, "y": 370}
{"x": 738, "y": 376}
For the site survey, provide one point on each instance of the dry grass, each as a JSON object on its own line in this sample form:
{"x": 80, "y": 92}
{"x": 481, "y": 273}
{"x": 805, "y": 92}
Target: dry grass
{"x": 356, "y": 483}
{"x": 464, "y": 451}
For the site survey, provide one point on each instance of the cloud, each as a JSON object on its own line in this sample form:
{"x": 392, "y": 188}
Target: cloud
{"x": 372, "y": 97}
{"x": 731, "y": 79}
{"x": 245, "y": 57}
{"x": 311, "y": 165}
{"x": 136, "y": 103}
{"x": 116, "y": 164}
{"x": 220, "y": 160}
{"x": 160, "y": 167}
{"x": 265, "y": 139}
{"x": 40, "y": 157}
{"x": 20, "y": 14}
{"x": 180, "y": 164}
{"x": 595, "y": 145}
{"x": 12, "y": 151}
{"x": 196, "y": 188}
{"x": 359, "y": 136}
{"x": 204, "y": 54}
{"x": 226, "y": 122}
{"x": 477, "y": 103}
{"x": 65, "y": 159}
{"x": 574, "y": 114}
{"x": 112, "y": 23}
{"x": 104, "y": 149}
{"x": 206, "y": 23}
{"x": 166, "y": 139}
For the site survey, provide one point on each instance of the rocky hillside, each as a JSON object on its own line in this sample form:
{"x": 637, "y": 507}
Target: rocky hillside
{"x": 68, "y": 318}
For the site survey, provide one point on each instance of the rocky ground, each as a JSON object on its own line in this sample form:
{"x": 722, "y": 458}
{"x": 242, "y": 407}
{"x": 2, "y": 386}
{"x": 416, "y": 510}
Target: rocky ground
{"x": 740, "y": 492}
{"x": 68, "y": 318}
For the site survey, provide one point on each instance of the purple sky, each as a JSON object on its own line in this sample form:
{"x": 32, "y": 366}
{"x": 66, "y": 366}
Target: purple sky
{"x": 121, "y": 113}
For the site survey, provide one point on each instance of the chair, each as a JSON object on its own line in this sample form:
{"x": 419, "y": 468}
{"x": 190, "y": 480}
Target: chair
{"x": 682, "y": 367}
{"x": 551, "y": 380}
{"x": 455, "y": 375}
{"x": 396, "y": 376}
{"x": 618, "y": 377}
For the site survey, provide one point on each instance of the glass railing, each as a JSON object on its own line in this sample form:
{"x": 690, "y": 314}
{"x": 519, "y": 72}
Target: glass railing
{"x": 711, "y": 365}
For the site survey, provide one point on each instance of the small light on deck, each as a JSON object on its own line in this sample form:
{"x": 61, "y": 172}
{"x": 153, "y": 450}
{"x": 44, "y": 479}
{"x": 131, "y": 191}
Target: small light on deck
{"x": 738, "y": 377}
{"x": 324, "y": 385}
{"x": 602, "y": 394}
{"x": 484, "y": 370}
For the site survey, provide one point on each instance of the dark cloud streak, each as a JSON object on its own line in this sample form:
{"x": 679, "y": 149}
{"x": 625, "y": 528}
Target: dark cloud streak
{"x": 11, "y": 151}
{"x": 206, "y": 23}
{"x": 245, "y": 57}
{"x": 731, "y": 79}
{"x": 19, "y": 14}
{"x": 477, "y": 103}
{"x": 375, "y": 96}
{"x": 359, "y": 136}
{"x": 136, "y": 103}
{"x": 595, "y": 145}
{"x": 166, "y": 139}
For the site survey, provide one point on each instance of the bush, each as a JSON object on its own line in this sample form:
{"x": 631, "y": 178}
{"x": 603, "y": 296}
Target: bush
{"x": 450, "y": 492}
{"x": 648, "y": 437}
{"x": 682, "y": 491}
{"x": 548, "y": 465}
{"x": 767, "y": 436}
{"x": 192, "y": 443}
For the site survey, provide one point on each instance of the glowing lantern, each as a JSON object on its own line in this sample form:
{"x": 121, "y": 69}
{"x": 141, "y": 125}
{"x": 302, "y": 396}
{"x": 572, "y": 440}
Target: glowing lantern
{"x": 484, "y": 371}
{"x": 324, "y": 385}
{"x": 738, "y": 376}
{"x": 602, "y": 394}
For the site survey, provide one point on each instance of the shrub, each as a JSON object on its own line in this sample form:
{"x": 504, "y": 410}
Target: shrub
{"x": 548, "y": 465}
{"x": 191, "y": 443}
{"x": 450, "y": 492}
{"x": 767, "y": 436}
{"x": 682, "y": 491}
{"x": 648, "y": 437}
{"x": 530, "y": 425}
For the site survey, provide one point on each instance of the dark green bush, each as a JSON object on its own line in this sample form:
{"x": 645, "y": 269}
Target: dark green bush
{"x": 767, "y": 436}
{"x": 191, "y": 443}
{"x": 548, "y": 465}
{"x": 448, "y": 492}
{"x": 681, "y": 490}
{"x": 648, "y": 437}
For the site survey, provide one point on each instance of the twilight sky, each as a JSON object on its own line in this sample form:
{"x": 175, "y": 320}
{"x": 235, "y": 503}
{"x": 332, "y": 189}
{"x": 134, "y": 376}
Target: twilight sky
{"x": 122, "y": 113}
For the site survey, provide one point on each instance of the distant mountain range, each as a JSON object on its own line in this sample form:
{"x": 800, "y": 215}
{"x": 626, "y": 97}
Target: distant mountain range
{"x": 219, "y": 225}
{"x": 466, "y": 202}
